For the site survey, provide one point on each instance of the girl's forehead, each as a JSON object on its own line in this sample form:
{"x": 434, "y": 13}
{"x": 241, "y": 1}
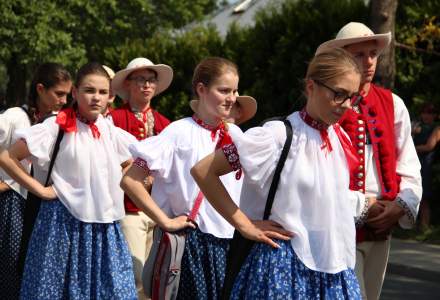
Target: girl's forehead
{"x": 95, "y": 80}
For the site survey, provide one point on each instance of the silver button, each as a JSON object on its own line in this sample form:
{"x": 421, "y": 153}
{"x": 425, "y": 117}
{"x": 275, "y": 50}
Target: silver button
{"x": 360, "y": 122}
{"x": 361, "y": 144}
{"x": 360, "y": 168}
{"x": 361, "y": 136}
{"x": 360, "y": 151}
{"x": 361, "y": 129}
{"x": 360, "y": 175}
{"x": 360, "y": 183}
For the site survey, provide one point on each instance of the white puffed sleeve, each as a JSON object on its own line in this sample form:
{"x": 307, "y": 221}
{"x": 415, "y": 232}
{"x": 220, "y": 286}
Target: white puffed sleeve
{"x": 407, "y": 165}
{"x": 259, "y": 149}
{"x": 40, "y": 140}
{"x": 11, "y": 120}
{"x": 122, "y": 140}
{"x": 157, "y": 151}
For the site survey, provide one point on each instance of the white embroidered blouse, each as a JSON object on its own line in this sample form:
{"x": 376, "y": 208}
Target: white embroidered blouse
{"x": 170, "y": 157}
{"x": 87, "y": 171}
{"x": 313, "y": 199}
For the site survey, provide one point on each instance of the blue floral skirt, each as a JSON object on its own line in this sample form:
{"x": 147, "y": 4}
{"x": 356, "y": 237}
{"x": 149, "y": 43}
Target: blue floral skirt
{"x": 203, "y": 266}
{"x": 70, "y": 259}
{"x": 12, "y": 206}
{"x": 270, "y": 273}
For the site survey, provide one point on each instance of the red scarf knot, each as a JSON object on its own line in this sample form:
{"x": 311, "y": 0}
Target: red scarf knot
{"x": 321, "y": 127}
{"x": 223, "y": 136}
{"x": 66, "y": 118}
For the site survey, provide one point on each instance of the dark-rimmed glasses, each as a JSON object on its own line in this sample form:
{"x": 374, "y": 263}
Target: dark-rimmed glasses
{"x": 341, "y": 97}
{"x": 142, "y": 81}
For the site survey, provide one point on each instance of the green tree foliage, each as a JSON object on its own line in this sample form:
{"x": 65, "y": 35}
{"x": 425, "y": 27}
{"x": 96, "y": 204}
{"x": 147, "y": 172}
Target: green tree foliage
{"x": 273, "y": 55}
{"x": 418, "y": 69}
{"x": 182, "y": 52}
{"x": 74, "y": 31}
{"x": 30, "y": 33}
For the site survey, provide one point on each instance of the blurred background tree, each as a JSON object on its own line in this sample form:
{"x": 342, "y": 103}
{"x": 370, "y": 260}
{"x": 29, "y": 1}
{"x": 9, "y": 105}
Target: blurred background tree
{"x": 272, "y": 54}
{"x": 75, "y": 31}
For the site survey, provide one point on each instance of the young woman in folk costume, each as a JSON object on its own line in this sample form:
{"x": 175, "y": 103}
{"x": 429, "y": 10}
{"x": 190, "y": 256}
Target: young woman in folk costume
{"x": 313, "y": 201}
{"x": 77, "y": 249}
{"x": 169, "y": 157}
{"x": 48, "y": 93}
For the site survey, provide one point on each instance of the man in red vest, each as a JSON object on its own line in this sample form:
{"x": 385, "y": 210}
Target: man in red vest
{"x": 389, "y": 175}
{"x": 137, "y": 84}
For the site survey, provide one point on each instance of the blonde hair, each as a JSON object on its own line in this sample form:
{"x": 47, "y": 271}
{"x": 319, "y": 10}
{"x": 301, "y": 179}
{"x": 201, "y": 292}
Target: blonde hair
{"x": 331, "y": 64}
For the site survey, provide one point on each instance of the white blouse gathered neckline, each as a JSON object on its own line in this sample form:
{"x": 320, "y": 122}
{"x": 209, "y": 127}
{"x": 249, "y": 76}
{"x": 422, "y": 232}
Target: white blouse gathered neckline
{"x": 170, "y": 157}
{"x": 313, "y": 199}
{"x": 87, "y": 171}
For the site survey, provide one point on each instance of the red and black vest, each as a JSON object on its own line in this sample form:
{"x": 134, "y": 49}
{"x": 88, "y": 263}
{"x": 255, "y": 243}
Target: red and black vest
{"x": 124, "y": 118}
{"x": 374, "y": 118}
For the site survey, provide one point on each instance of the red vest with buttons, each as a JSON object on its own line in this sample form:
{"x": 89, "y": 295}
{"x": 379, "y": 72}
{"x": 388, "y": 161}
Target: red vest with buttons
{"x": 124, "y": 118}
{"x": 375, "y": 117}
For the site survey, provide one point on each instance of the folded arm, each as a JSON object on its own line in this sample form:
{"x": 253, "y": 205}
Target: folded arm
{"x": 207, "y": 174}
{"x": 133, "y": 183}
{"x": 10, "y": 162}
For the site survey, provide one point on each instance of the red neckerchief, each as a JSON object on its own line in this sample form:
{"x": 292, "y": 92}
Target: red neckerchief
{"x": 66, "y": 118}
{"x": 223, "y": 136}
{"x": 321, "y": 127}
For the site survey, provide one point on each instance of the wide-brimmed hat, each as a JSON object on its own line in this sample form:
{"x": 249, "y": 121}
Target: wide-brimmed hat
{"x": 164, "y": 76}
{"x": 248, "y": 106}
{"x": 109, "y": 71}
{"x": 353, "y": 33}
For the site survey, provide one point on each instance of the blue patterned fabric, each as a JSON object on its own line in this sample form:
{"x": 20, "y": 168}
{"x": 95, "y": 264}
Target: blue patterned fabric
{"x": 70, "y": 259}
{"x": 12, "y": 206}
{"x": 270, "y": 273}
{"x": 203, "y": 266}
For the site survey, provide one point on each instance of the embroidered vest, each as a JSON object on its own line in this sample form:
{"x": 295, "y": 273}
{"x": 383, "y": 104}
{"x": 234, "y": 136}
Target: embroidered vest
{"x": 124, "y": 118}
{"x": 375, "y": 119}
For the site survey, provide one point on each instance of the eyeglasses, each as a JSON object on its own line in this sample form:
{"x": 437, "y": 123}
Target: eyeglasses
{"x": 341, "y": 97}
{"x": 142, "y": 81}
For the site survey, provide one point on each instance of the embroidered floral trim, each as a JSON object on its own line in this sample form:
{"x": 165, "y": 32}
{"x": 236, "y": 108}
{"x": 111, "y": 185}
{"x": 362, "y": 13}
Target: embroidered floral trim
{"x": 231, "y": 154}
{"x": 233, "y": 158}
{"x": 139, "y": 162}
{"x": 407, "y": 210}
{"x": 147, "y": 118}
{"x": 321, "y": 127}
{"x": 360, "y": 220}
{"x": 223, "y": 136}
{"x": 312, "y": 122}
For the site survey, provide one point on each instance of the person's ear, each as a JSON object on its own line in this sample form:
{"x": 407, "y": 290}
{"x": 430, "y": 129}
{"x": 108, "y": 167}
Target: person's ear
{"x": 74, "y": 93}
{"x": 200, "y": 88}
{"x": 309, "y": 86}
{"x": 40, "y": 88}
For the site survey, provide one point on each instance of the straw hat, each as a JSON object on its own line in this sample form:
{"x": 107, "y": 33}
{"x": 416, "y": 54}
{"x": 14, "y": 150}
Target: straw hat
{"x": 247, "y": 104}
{"x": 164, "y": 75}
{"x": 353, "y": 33}
{"x": 109, "y": 71}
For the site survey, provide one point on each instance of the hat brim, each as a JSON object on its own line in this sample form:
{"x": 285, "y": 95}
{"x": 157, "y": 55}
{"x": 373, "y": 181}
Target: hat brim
{"x": 164, "y": 78}
{"x": 248, "y": 108}
{"x": 383, "y": 40}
